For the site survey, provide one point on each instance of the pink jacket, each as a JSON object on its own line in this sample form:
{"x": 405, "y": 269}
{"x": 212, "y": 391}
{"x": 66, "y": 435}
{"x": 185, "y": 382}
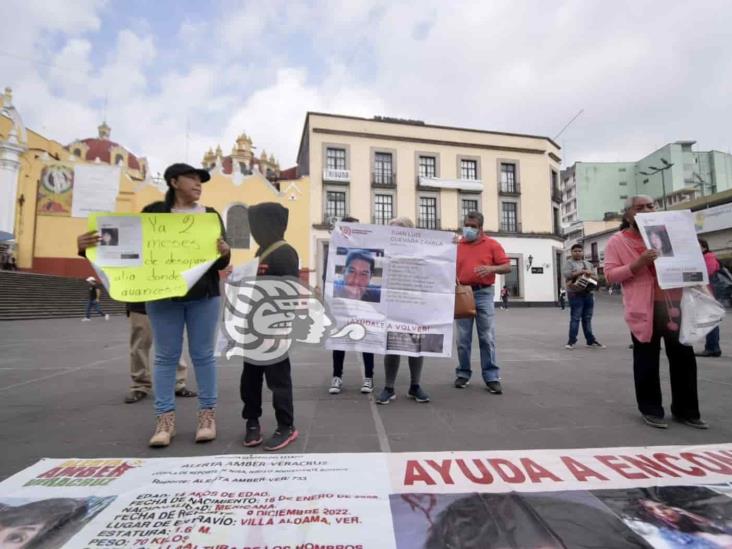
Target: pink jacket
{"x": 638, "y": 289}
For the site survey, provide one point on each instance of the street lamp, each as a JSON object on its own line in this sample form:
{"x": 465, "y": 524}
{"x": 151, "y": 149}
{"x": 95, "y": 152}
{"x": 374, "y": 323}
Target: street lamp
{"x": 666, "y": 166}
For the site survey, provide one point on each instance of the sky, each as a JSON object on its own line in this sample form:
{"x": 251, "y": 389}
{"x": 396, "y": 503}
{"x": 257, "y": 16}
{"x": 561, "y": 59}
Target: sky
{"x": 174, "y": 78}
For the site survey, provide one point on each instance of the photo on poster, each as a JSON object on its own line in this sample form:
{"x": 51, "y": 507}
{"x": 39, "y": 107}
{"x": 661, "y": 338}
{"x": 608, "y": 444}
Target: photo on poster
{"x": 109, "y": 236}
{"x": 675, "y": 516}
{"x": 358, "y": 274}
{"x": 550, "y": 520}
{"x": 659, "y": 240}
{"x": 49, "y": 523}
{"x": 120, "y": 242}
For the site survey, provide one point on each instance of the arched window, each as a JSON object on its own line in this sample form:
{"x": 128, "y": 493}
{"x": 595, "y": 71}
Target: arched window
{"x": 77, "y": 153}
{"x": 119, "y": 159}
{"x": 237, "y": 226}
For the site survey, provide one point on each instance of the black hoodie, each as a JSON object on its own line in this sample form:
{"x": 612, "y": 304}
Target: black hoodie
{"x": 268, "y": 222}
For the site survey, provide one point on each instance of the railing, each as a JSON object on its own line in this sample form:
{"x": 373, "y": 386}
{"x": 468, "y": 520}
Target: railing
{"x": 510, "y": 227}
{"x": 510, "y": 190}
{"x": 428, "y": 223}
{"x": 343, "y": 176}
{"x": 380, "y": 219}
{"x": 332, "y": 219}
{"x": 383, "y": 179}
{"x": 556, "y": 195}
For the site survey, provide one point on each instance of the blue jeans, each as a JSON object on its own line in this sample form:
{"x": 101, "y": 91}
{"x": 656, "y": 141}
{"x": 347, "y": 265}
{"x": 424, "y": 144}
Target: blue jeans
{"x": 712, "y": 343}
{"x": 168, "y": 319}
{"x": 93, "y": 305}
{"x": 486, "y": 327}
{"x": 581, "y": 308}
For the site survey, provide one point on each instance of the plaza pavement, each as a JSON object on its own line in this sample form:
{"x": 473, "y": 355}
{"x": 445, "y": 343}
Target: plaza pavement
{"x": 62, "y": 383}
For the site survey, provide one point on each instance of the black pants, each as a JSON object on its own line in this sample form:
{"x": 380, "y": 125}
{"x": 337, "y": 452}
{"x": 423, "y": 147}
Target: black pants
{"x": 340, "y": 356}
{"x": 279, "y": 382}
{"x": 682, "y": 365}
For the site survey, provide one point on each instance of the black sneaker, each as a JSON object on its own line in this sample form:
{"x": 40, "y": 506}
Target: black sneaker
{"x": 695, "y": 423}
{"x": 655, "y": 421}
{"x": 386, "y": 396}
{"x": 418, "y": 394}
{"x": 494, "y": 387}
{"x": 461, "y": 382}
{"x": 596, "y": 345}
{"x": 253, "y": 436}
{"x": 281, "y": 438}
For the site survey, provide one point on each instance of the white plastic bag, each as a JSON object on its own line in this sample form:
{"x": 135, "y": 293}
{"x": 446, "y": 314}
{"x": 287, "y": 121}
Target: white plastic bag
{"x": 700, "y": 314}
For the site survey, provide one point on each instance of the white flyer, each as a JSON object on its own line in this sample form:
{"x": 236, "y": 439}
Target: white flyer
{"x": 672, "y": 234}
{"x": 121, "y": 241}
{"x": 398, "y": 282}
{"x": 95, "y": 189}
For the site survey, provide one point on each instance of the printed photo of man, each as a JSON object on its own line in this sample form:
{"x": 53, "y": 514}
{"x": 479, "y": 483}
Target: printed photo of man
{"x": 356, "y": 281}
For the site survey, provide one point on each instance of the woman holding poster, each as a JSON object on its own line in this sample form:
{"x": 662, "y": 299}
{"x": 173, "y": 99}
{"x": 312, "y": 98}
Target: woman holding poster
{"x": 652, "y": 314}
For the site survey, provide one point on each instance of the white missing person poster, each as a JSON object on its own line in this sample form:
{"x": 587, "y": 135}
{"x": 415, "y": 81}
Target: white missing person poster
{"x": 672, "y": 234}
{"x": 121, "y": 241}
{"x": 397, "y": 282}
{"x": 95, "y": 189}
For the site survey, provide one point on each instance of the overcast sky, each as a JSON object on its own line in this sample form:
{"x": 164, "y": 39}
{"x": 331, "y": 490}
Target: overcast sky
{"x": 178, "y": 77}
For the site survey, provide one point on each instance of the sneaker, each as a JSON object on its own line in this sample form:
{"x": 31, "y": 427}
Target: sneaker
{"x": 206, "y": 428}
{"x": 569, "y": 346}
{"x": 695, "y": 423}
{"x": 164, "y": 430}
{"x": 86, "y": 319}
{"x": 494, "y": 387}
{"x": 335, "y": 385}
{"x": 596, "y": 345}
{"x": 418, "y": 394}
{"x": 106, "y": 317}
{"x": 253, "y": 436}
{"x": 654, "y": 421}
{"x": 386, "y": 396}
{"x": 368, "y": 385}
{"x": 706, "y": 353}
{"x": 281, "y": 438}
{"x": 461, "y": 382}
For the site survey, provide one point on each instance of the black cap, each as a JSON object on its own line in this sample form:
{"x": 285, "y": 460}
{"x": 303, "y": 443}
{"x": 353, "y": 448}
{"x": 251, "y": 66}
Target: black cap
{"x": 176, "y": 170}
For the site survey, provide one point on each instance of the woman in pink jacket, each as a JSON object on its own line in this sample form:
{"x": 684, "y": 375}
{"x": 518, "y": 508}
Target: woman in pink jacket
{"x": 652, "y": 314}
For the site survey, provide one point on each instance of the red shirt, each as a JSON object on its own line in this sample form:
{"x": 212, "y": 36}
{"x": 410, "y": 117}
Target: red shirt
{"x": 482, "y": 251}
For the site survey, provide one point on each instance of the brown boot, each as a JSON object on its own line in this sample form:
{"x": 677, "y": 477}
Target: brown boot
{"x": 206, "y": 430}
{"x": 164, "y": 430}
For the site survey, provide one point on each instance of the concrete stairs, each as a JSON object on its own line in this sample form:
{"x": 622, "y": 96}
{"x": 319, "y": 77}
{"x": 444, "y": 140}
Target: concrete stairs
{"x": 26, "y": 296}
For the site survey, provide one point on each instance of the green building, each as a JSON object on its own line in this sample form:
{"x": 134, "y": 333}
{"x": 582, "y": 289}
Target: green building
{"x": 590, "y": 190}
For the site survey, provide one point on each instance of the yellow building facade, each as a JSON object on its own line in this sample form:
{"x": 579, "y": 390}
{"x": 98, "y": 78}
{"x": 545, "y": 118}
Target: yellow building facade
{"x": 36, "y": 180}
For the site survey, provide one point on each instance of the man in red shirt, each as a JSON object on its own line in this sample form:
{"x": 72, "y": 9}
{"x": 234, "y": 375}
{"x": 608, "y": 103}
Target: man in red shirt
{"x": 479, "y": 259}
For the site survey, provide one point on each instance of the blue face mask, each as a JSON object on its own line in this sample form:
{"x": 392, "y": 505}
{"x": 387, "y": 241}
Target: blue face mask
{"x": 470, "y": 233}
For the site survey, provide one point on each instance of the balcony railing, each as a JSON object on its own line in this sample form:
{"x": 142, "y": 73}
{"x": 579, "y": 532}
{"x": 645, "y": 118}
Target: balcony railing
{"x": 380, "y": 219}
{"x": 334, "y": 175}
{"x": 330, "y": 219}
{"x": 556, "y": 195}
{"x": 510, "y": 227}
{"x": 428, "y": 223}
{"x": 383, "y": 179}
{"x": 510, "y": 190}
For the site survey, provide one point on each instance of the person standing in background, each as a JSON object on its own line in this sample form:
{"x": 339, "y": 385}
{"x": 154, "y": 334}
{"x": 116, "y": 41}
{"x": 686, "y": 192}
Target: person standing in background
{"x": 504, "y": 297}
{"x": 577, "y": 273}
{"x": 711, "y": 345}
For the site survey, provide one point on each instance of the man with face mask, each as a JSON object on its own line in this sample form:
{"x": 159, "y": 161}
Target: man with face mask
{"x": 479, "y": 259}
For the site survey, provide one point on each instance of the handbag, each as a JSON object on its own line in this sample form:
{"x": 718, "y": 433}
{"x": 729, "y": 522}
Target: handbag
{"x": 464, "y": 301}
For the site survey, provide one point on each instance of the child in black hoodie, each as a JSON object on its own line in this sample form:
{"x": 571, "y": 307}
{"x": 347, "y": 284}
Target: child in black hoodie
{"x": 268, "y": 222}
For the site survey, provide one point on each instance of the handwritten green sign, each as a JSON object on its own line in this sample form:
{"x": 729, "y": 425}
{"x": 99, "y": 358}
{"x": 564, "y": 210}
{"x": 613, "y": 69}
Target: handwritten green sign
{"x": 176, "y": 250}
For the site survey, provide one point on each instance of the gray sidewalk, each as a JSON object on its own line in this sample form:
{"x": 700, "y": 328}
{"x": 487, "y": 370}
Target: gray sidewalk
{"x": 62, "y": 383}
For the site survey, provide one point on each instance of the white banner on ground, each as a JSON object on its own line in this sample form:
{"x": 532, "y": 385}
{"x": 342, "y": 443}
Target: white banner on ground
{"x": 672, "y": 496}
{"x": 672, "y": 234}
{"x": 95, "y": 189}
{"x": 399, "y": 283}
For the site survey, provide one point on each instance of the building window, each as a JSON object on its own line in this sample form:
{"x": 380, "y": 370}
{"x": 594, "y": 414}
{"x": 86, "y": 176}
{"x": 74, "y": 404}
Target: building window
{"x": 383, "y": 208}
{"x": 119, "y": 159}
{"x": 237, "y": 227}
{"x": 427, "y": 212}
{"x": 427, "y": 166}
{"x": 244, "y": 169}
{"x": 383, "y": 169}
{"x": 623, "y": 196}
{"x": 512, "y": 278}
{"x": 621, "y": 169}
{"x": 468, "y": 205}
{"x": 335, "y": 204}
{"x": 77, "y": 153}
{"x": 335, "y": 159}
{"x": 509, "y": 217}
{"x": 469, "y": 169}
{"x": 508, "y": 178}
{"x": 555, "y": 181}
{"x": 595, "y": 256}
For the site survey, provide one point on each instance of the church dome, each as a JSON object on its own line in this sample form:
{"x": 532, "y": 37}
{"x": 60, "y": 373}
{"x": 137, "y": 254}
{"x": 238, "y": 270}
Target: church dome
{"x": 108, "y": 151}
